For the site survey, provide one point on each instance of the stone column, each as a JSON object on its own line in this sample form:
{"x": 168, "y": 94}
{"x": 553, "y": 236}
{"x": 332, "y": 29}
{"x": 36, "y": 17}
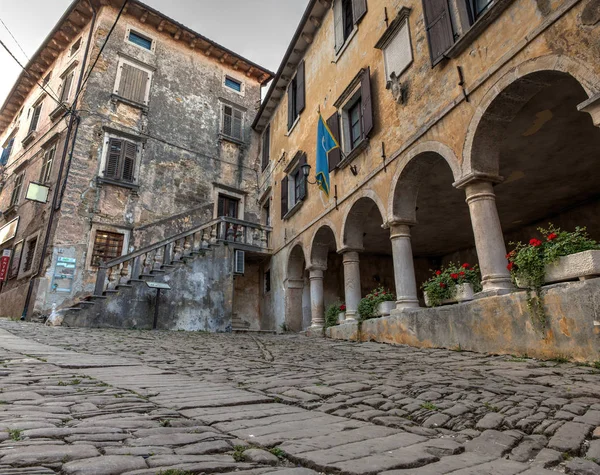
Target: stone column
{"x": 489, "y": 240}
{"x": 294, "y": 317}
{"x": 351, "y": 283}
{"x": 316, "y": 297}
{"x": 404, "y": 268}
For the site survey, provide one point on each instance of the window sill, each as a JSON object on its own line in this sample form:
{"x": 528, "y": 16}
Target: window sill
{"x": 291, "y": 129}
{"x": 356, "y": 151}
{"x": 59, "y": 111}
{"x": 8, "y": 212}
{"x": 107, "y": 181}
{"x": 31, "y": 136}
{"x": 477, "y": 28}
{"x": 137, "y": 105}
{"x": 291, "y": 212}
{"x": 233, "y": 140}
{"x": 339, "y": 54}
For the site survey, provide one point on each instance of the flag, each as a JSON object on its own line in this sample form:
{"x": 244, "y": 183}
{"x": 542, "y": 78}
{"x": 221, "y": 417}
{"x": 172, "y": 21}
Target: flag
{"x": 325, "y": 143}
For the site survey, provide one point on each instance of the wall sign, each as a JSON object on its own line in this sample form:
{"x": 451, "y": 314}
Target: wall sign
{"x": 9, "y": 231}
{"x": 64, "y": 274}
{"x": 4, "y": 264}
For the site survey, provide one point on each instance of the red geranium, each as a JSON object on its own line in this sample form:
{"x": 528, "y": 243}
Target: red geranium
{"x": 438, "y": 272}
{"x": 454, "y": 276}
{"x": 466, "y": 266}
{"x": 510, "y": 265}
{"x": 442, "y": 285}
{"x": 552, "y": 236}
{"x": 342, "y": 308}
{"x": 511, "y": 254}
{"x": 535, "y": 242}
{"x": 462, "y": 274}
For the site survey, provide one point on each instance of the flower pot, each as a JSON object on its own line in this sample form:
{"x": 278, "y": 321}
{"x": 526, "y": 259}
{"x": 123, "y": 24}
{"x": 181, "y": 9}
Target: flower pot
{"x": 582, "y": 265}
{"x": 341, "y": 317}
{"x": 385, "y": 308}
{"x": 464, "y": 293}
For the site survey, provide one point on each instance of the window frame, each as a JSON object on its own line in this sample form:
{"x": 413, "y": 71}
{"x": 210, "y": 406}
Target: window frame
{"x": 64, "y": 98}
{"x": 46, "y": 172}
{"x": 23, "y": 272}
{"x": 77, "y": 43}
{"x": 98, "y": 231}
{"x": 17, "y": 191}
{"x": 242, "y": 119}
{"x": 108, "y": 137}
{"x": 147, "y": 69}
{"x": 15, "y": 266}
{"x": 230, "y": 200}
{"x": 266, "y": 148}
{"x": 229, "y": 77}
{"x": 144, "y": 36}
{"x": 36, "y": 107}
{"x": 349, "y": 142}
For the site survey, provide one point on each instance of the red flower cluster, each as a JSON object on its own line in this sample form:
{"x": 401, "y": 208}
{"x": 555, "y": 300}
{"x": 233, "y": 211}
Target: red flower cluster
{"x": 438, "y": 272}
{"x": 454, "y": 276}
{"x": 535, "y": 242}
{"x": 552, "y": 236}
{"x": 342, "y": 308}
{"x": 461, "y": 273}
{"x": 466, "y": 266}
{"x": 510, "y": 265}
{"x": 442, "y": 285}
{"x": 511, "y": 254}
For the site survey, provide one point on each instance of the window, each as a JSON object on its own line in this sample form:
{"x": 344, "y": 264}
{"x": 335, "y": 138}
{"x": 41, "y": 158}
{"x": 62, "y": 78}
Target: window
{"x": 47, "y": 162}
{"x": 228, "y": 206}
{"x": 231, "y": 125}
{"x": 65, "y": 91}
{"x": 267, "y": 212}
{"x": 266, "y": 147}
{"x": 15, "y": 262}
{"x": 268, "y": 281}
{"x": 35, "y": 118}
{"x": 6, "y": 152}
{"x": 355, "y": 128}
{"x": 296, "y": 95}
{"x": 107, "y": 246}
{"x": 133, "y": 82}
{"x": 233, "y": 84}
{"x": 293, "y": 185}
{"x": 121, "y": 160}
{"x": 346, "y": 15}
{"x": 75, "y": 47}
{"x": 140, "y": 40}
{"x": 16, "y": 192}
{"x": 477, "y": 8}
{"x": 29, "y": 255}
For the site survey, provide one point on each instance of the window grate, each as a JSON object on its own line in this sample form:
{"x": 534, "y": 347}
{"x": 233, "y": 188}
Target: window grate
{"x": 107, "y": 246}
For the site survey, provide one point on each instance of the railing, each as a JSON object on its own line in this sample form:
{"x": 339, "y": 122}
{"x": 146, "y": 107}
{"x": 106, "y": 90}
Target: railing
{"x": 176, "y": 248}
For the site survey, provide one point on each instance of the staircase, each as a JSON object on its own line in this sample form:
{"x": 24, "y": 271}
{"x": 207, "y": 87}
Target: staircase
{"x": 152, "y": 263}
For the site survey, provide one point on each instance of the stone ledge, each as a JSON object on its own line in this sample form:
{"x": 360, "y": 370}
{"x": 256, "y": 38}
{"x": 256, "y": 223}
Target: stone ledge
{"x": 499, "y": 325}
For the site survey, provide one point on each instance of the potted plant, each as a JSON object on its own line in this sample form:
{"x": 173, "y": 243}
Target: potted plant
{"x": 452, "y": 284}
{"x": 379, "y": 302}
{"x": 558, "y": 257}
{"x": 333, "y": 313}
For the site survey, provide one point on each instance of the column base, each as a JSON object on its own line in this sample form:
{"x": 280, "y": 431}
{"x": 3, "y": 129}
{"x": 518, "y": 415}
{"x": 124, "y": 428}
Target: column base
{"x": 498, "y": 283}
{"x": 407, "y": 303}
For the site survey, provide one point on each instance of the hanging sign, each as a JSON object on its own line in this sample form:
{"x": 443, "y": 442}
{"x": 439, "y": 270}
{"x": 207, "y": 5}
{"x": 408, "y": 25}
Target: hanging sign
{"x": 4, "y": 264}
{"x": 9, "y": 231}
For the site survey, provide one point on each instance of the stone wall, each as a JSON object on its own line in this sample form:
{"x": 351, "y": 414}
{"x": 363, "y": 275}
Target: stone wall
{"x": 497, "y": 325}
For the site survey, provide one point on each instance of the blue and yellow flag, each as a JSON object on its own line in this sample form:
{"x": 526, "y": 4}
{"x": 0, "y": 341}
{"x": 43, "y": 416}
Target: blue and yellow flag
{"x": 325, "y": 143}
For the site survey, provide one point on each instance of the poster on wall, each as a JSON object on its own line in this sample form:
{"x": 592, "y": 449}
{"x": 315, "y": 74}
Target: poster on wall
{"x": 4, "y": 264}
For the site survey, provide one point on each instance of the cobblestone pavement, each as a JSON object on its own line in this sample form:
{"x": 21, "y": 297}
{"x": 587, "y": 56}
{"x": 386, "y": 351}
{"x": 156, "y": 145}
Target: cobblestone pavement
{"x": 78, "y": 401}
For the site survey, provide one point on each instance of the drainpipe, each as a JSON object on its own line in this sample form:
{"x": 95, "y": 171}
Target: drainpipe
{"x": 72, "y": 119}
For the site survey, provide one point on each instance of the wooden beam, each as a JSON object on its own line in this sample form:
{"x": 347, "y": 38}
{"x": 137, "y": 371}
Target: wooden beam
{"x": 208, "y": 51}
{"x": 308, "y": 38}
{"x": 224, "y": 57}
{"x": 325, "y": 3}
{"x": 193, "y": 43}
{"x": 315, "y": 21}
{"x": 250, "y": 71}
{"x": 177, "y": 34}
{"x": 161, "y": 25}
{"x": 144, "y": 16}
{"x": 236, "y": 65}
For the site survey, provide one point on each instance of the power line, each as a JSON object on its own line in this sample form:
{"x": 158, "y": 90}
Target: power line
{"x": 101, "y": 50}
{"x": 28, "y": 73}
{"x": 15, "y": 40}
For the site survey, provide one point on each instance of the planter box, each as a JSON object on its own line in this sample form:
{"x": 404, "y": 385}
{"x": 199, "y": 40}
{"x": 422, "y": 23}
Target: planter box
{"x": 385, "y": 308}
{"x": 464, "y": 293}
{"x": 341, "y": 317}
{"x": 583, "y": 265}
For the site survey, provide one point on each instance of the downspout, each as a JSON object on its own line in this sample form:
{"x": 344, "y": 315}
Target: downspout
{"x": 57, "y": 192}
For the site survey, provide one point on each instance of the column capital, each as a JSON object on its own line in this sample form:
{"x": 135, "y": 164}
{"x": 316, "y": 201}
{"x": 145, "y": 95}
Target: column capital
{"x": 295, "y": 283}
{"x": 399, "y": 222}
{"x": 475, "y": 177}
{"x": 316, "y": 272}
{"x": 592, "y": 107}
{"x": 347, "y": 249}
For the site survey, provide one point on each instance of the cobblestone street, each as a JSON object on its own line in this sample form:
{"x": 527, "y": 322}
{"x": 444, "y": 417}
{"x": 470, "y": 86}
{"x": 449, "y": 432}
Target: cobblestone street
{"x": 80, "y": 401}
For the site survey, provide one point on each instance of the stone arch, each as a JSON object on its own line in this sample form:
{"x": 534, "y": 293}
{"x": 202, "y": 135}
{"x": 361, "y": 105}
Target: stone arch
{"x": 322, "y": 243}
{"x": 411, "y": 169}
{"x": 354, "y": 219}
{"x": 296, "y": 261}
{"x": 295, "y": 289}
{"x": 504, "y": 100}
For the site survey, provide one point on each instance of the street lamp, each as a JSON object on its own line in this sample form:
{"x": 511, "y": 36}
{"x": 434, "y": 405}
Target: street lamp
{"x": 306, "y": 172}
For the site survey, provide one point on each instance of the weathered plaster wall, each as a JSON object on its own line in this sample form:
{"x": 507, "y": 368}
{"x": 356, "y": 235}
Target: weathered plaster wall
{"x": 247, "y": 296}
{"x": 200, "y": 299}
{"x": 498, "y": 325}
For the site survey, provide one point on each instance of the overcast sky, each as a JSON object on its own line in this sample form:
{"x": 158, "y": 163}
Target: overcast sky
{"x": 260, "y": 30}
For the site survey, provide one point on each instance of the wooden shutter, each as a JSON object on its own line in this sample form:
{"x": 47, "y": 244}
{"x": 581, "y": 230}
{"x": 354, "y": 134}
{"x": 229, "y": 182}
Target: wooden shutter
{"x": 133, "y": 83}
{"x": 129, "y": 158}
{"x": 113, "y": 159}
{"x": 36, "y": 117}
{"x": 31, "y": 245}
{"x": 221, "y": 206}
{"x": 359, "y": 9}
{"x": 227, "y": 120}
{"x": 237, "y": 124}
{"x": 16, "y": 192}
{"x": 338, "y": 21}
{"x": 66, "y": 88}
{"x": 47, "y": 166}
{"x": 290, "y": 95}
{"x": 367, "y": 103}
{"x": 303, "y": 188}
{"x": 266, "y": 150}
{"x": 335, "y": 155}
{"x": 300, "y": 88}
{"x": 439, "y": 28}
{"x": 284, "y": 196}
{"x": 16, "y": 260}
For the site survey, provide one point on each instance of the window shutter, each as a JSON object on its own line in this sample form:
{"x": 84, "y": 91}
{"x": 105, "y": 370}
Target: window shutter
{"x": 338, "y": 21}
{"x": 359, "y": 9}
{"x": 266, "y": 151}
{"x": 439, "y": 28}
{"x": 129, "y": 157}
{"x": 300, "y": 88}
{"x": 133, "y": 83}
{"x": 36, "y": 117}
{"x": 66, "y": 88}
{"x": 335, "y": 155}
{"x": 220, "y": 207}
{"x": 367, "y": 103}
{"x": 284, "y": 196}
{"x": 113, "y": 159}
{"x": 6, "y": 152}
{"x": 290, "y": 95}
{"x": 227, "y": 120}
{"x": 31, "y": 245}
{"x": 303, "y": 189}
{"x": 14, "y": 197}
{"x": 237, "y": 124}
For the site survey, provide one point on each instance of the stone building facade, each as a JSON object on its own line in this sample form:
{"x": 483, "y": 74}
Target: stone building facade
{"x": 161, "y": 142}
{"x": 463, "y": 126}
